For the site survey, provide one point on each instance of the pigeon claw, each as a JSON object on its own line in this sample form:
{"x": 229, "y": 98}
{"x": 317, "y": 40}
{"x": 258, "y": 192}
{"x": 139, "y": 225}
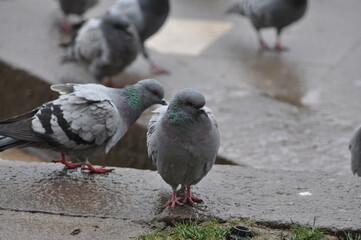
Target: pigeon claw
{"x": 66, "y": 27}
{"x": 67, "y": 164}
{"x": 280, "y": 48}
{"x": 191, "y": 200}
{"x": 157, "y": 69}
{"x": 174, "y": 201}
{"x": 93, "y": 169}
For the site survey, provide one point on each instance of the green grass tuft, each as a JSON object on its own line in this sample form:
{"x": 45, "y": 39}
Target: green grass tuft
{"x": 349, "y": 236}
{"x": 189, "y": 231}
{"x": 306, "y": 233}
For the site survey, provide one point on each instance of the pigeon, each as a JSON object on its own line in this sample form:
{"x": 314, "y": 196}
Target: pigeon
{"x": 183, "y": 141}
{"x": 77, "y": 7}
{"x": 148, "y": 16}
{"x": 86, "y": 120}
{"x": 270, "y": 13}
{"x": 355, "y": 148}
{"x": 107, "y": 45}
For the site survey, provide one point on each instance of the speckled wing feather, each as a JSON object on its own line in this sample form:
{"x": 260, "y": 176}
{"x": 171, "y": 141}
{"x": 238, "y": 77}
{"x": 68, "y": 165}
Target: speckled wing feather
{"x": 151, "y": 133}
{"x": 80, "y": 119}
{"x": 89, "y": 42}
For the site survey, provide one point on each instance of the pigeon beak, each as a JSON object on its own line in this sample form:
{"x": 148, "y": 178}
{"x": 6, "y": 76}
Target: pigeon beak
{"x": 163, "y": 102}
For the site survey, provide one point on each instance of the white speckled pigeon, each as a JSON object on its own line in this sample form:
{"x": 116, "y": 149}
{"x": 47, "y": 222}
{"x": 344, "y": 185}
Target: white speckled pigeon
{"x": 87, "y": 119}
{"x": 107, "y": 45}
{"x": 270, "y": 13}
{"x": 77, "y": 7}
{"x": 147, "y": 16}
{"x": 183, "y": 142}
{"x": 355, "y": 148}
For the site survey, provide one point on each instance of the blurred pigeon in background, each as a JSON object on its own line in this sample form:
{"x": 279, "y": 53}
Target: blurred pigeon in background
{"x": 147, "y": 16}
{"x": 86, "y": 120}
{"x": 107, "y": 45}
{"x": 183, "y": 142}
{"x": 355, "y": 148}
{"x": 270, "y": 13}
{"x": 76, "y": 7}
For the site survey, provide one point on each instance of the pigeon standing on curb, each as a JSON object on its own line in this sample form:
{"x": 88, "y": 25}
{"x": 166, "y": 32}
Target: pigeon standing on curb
{"x": 107, "y": 45}
{"x": 77, "y": 7}
{"x": 148, "y": 16}
{"x": 86, "y": 120}
{"x": 183, "y": 142}
{"x": 270, "y": 13}
{"x": 355, "y": 148}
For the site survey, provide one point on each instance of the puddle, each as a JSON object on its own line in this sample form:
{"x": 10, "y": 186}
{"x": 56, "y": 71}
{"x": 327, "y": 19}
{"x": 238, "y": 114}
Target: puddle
{"x": 277, "y": 79}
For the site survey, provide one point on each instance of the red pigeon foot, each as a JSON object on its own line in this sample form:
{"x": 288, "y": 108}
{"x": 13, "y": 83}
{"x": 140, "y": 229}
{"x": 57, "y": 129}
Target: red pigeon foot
{"x": 174, "y": 201}
{"x": 69, "y": 165}
{"x": 93, "y": 169}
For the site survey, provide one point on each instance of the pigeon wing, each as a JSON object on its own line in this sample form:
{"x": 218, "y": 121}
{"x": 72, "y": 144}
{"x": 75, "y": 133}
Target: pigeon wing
{"x": 85, "y": 118}
{"x": 152, "y": 133}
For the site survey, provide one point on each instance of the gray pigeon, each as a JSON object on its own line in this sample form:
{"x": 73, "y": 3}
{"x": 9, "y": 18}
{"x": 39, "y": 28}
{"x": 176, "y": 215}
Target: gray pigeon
{"x": 147, "y": 16}
{"x": 86, "y": 120}
{"x": 107, "y": 45}
{"x": 270, "y": 13}
{"x": 183, "y": 142}
{"x": 355, "y": 148}
{"x": 77, "y": 7}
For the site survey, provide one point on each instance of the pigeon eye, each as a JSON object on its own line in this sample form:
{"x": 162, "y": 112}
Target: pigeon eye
{"x": 189, "y": 104}
{"x": 155, "y": 93}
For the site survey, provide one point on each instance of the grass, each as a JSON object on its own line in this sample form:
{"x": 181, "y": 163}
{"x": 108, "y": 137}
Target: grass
{"x": 349, "y": 236}
{"x": 210, "y": 230}
{"x": 213, "y": 230}
{"x": 306, "y": 233}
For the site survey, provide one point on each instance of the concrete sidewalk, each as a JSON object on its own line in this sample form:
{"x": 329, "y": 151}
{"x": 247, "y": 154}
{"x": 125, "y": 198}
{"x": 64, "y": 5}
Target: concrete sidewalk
{"x": 45, "y": 201}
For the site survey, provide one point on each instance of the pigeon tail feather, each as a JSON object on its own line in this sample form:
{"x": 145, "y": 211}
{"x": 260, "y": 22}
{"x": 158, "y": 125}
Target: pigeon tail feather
{"x": 7, "y": 143}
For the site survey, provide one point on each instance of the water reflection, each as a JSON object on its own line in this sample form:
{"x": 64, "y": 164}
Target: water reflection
{"x": 277, "y": 78}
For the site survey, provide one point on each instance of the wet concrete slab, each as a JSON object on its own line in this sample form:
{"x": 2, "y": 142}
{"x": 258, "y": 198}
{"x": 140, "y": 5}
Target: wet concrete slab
{"x": 40, "y": 226}
{"x": 272, "y": 197}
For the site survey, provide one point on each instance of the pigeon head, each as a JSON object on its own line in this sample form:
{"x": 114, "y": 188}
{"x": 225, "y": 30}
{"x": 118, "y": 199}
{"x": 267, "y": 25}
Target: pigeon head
{"x": 152, "y": 92}
{"x": 186, "y": 105}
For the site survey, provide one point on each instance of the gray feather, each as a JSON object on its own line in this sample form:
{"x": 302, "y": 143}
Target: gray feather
{"x": 87, "y": 119}
{"x": 106, "y": 45}
{"x": 147, "y": 16}
{"x": 270, "y": 13}
{"x": 183, "y": 139}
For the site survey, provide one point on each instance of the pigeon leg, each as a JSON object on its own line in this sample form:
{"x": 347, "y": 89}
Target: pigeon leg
{"x": 69, "y": 165}
{"x": 174, "y": 201}
{"x": 191, "y": 199}
{"x": 157, "y": 69}
{"x": 278, "y": 46}
{"x": 66, "y": 27}
{"x": 262, "y": 43}
{"x": 93, "y": 169}
{"x": 108, "y": 82}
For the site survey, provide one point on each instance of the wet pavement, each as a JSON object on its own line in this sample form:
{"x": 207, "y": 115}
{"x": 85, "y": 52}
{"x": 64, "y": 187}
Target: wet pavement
{"x": 294, "y": 110}
{"x": 126, "y": 196}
